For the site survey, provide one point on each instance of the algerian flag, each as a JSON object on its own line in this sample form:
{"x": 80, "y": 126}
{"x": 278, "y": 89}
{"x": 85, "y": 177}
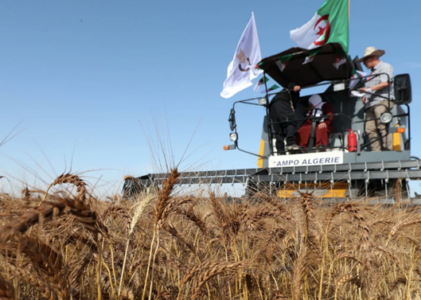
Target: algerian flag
{"x": 272, "y": 88}
{"x": 340, "y": 59}
{"x": 284, "y": 60}
{"x": 311, "y": 56}
{"x": 356, "y": 78}
{"x": 243, "y": 69}
{"x": 263, "y": 80}
{"x": 330, "y": 24}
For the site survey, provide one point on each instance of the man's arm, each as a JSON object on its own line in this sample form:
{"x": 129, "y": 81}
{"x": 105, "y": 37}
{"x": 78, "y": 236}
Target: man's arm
{"x": 377, "y": 87}
{"x": 384, "y": 78}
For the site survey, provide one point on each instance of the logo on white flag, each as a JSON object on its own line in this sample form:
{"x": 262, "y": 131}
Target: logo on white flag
{"x": 242, "y": 57}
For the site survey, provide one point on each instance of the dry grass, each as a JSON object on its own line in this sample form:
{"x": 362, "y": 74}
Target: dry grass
{"x": 162, "y": 246}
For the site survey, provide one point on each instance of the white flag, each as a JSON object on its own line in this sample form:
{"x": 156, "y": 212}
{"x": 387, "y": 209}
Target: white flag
{"x": 242, "y": 68}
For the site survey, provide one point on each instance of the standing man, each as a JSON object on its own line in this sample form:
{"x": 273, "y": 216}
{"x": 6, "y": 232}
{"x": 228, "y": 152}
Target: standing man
{"x": 282, "y": 113}
{"x": 378, "y": 87}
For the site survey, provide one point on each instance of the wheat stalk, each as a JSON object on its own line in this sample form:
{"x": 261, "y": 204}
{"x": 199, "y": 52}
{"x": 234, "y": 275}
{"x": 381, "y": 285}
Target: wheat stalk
{"x": 7, "y": 292}
{"x": 140, "y": 209}
{"x": 300, "y": 269}
{"x": 375, "y": 250}
{"x": 212, "y": 271}
{"x": 45, "y": 288}
{"x": 162, "y": 203}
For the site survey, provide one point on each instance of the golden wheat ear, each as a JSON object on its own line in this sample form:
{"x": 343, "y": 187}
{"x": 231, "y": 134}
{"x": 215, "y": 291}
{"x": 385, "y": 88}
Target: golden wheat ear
{"x": 213, "y": 270}
{"x": 26, "y": 221}
{"x": 274, "y": 201}
{"x": 164, "y": 195}
{"x": 171, "y": 229}
{"x": 190, "y": 215}
{"x": 76, "y": 181}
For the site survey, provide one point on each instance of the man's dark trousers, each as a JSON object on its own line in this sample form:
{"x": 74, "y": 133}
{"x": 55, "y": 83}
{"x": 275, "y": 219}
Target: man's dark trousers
{"x": 283, "y": 119}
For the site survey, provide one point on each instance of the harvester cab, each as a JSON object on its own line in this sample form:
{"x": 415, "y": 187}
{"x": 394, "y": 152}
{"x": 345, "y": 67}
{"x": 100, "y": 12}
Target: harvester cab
{"x": 347, "y": 167}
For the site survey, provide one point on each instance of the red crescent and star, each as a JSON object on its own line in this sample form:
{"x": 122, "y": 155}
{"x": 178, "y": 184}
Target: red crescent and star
{"x": 323, "y": 30}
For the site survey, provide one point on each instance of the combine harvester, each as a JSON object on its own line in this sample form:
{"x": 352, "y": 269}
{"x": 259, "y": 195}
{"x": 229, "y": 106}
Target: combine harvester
{"x": 336, "y": 173}
{"x": 347, "y": 168}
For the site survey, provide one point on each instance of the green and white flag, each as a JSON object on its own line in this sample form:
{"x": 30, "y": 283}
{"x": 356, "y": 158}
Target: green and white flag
{"x": 340, "y": 59}
{"x": 263, "y": 80}
{"x": 356, "y": 78}
{"x": 311, "y": 56}
{"x": 272, "y": 88}
{"x": 283, "y": 63}
{"x": 330, "y": 24}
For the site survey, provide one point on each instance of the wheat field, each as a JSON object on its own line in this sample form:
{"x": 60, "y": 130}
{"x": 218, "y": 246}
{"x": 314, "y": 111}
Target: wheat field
{"x": 57, "y": 244}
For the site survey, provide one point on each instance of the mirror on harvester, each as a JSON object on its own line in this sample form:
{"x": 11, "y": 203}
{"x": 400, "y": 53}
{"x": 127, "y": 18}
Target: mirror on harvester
{"x": 403, "y": 91}
{"x": 231, "y": 119}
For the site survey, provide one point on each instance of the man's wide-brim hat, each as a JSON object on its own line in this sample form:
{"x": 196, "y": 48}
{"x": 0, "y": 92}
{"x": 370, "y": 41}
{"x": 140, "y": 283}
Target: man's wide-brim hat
{"x": 371, "y": 51}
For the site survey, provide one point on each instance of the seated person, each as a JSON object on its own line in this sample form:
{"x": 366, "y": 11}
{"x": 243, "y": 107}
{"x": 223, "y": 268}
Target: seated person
{"x": 281, "y": 111}
{"x": 323, "y": 127}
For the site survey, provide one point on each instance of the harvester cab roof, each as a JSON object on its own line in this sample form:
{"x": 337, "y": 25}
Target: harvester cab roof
{"x": 303, "y": 67}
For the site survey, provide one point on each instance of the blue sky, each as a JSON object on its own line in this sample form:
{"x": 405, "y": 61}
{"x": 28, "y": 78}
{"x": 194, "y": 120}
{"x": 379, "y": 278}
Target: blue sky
{"x": 86, "y": 79}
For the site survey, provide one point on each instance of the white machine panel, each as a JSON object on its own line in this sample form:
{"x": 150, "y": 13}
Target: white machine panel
{"x": 307, "y": 159}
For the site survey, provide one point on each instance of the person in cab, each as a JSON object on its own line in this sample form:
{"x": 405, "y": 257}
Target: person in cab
{"x": 318, "y": 112}
{"x": 282, "y": 113}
